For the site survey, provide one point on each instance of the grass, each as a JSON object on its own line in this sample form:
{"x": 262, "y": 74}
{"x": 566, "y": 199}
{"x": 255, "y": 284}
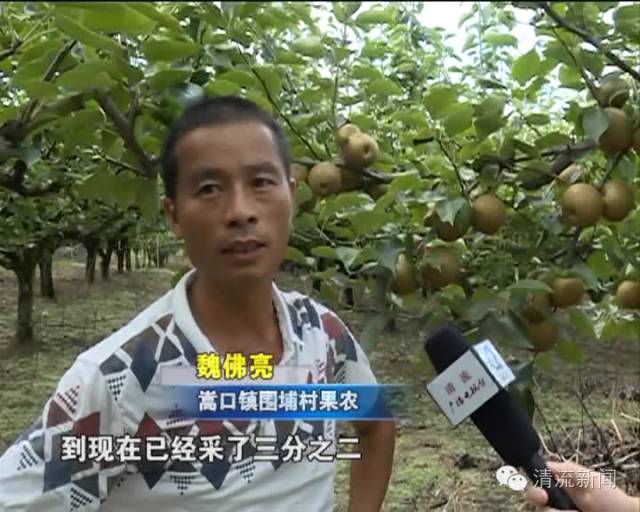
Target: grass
{"x": 435, "y": 467}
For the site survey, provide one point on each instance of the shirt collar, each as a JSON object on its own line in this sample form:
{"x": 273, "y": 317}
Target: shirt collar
{"x": 186, "y": 322}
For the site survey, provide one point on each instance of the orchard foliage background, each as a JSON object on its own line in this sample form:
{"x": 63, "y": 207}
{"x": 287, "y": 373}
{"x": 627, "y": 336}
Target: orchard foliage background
{"x": 88, "y": 90}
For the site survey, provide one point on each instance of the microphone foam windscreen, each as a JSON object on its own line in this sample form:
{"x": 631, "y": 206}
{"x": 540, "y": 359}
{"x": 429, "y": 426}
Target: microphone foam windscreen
{"x": 501, "y": 419}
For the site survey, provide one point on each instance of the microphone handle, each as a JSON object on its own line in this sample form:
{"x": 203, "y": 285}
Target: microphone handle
{"x": 558, "y": 498}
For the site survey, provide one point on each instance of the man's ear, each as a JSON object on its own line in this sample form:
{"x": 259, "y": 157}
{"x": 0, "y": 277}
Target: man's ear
{"x": 292, "y": 189}
{"x": 171, "y": 213}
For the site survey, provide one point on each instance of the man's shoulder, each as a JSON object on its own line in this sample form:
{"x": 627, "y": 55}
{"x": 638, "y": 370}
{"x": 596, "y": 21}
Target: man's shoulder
{"x": 146, "y": 326}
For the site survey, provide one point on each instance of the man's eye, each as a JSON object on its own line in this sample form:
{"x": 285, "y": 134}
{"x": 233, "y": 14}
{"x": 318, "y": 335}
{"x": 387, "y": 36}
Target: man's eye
{"x": 209, "y": 188}
{"x": 263, "y": 182}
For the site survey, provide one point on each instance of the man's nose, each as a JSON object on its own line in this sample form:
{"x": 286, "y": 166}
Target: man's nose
{"x": 240, "y": 207}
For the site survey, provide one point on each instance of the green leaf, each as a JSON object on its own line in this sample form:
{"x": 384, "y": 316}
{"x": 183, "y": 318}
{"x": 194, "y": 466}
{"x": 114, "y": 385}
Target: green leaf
{"x": 582, "y": 323}
{"x": 85, "y": 77}
{"x": 168, "y": 77}
{"x": 297, "y": 256}
{"x": 344, "y": 10}
{"x": 125, "y": 191}
{"x": 96, "y": 184}
{"x": 503, "y": 329}
{"x": 530, "y": 285}
{"x": 538, "y": 119}
{"x": 525, "y": 67}
{"x": 147, "y": 198}
{"x": 222, "y": 88}
{"x": 387, "y": 252}
{"x": 347, "y": 255}
{"x": 153, "y": 13}
{"x": 499, "y": 39}
{"x": 594, "y": 122}
{"x": 311, "y": 46}
{"x": 84, "y": 35}
{"x": 376, "y": 15}
{"x": 586, "y": 274}
{"x": 459, "y": 119}
{"x": 367, "y": 72}
{"x": 324, "y": 251}
{"x": 439, "y": 99}
{"x": 448, "y": 210}
{"x": 384, "y": 87}
{"x": 110, "y": 17}
{"x": 552, "y": 139}
{"x": 570, "y": 351}
{"x": 269, "y": 74}
{"x": 39, "y": 90}
{"x": 601, "y": 266}
{"x": 168, "y": 50}
{"x": 240, "y": 77}
{"x": 489, "y": 123}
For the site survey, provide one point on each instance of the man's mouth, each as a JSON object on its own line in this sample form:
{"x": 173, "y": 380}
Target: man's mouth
{"x": 243, "y": 247}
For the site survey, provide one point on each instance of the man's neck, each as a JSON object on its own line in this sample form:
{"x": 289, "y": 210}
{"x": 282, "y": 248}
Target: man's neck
{"x": 234, "y": 318}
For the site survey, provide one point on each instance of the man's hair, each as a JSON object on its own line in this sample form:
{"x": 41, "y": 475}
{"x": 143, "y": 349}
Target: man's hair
{"x": 212, "y": 111}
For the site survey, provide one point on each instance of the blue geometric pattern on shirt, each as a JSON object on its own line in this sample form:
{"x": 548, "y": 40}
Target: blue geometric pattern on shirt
{"x": 112, "y": 364}
{"x": 56, "y": 472}
{"x": 296, "y": 322}
{"x": 90, "y": 484}
{"x": 143, "y": 365}
{"x": 216, "y": 471}
{"x": 314, "y": 319}
{"x": 188, "y": 349}
{"x": 168, "y": 351}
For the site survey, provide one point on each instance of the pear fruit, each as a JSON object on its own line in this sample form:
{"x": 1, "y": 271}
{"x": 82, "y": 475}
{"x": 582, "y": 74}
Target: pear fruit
{"x": 614, "y": 92}
{"x": 404, "y": 280}
{"x": 543, "y": 335}
{"x": 360, "y": 151}
{"x": 567, "y": 291}
{"x": 582, "y": 205}
{"x": 488, "y": 214}
{"x": 346, "y": 131}
{"x": 537, "y": 306}
{"x": 325, "y": 179}
{"x": 619, "y": 199}
{"x": 628, "y": 294}
{"x": 619, "y": 134}
{"x": 448, "y": 273}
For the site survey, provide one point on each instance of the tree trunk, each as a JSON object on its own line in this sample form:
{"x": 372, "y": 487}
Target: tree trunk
{"x": 120, "y": 255}
{"x": 46, "y": 273}
{"x": 25, "y": 270}
{"x": 127, "y": 259}
{"x": 137, "y": 257}
{"x": 105, "y": 259}
{"x": 90, "y": 267}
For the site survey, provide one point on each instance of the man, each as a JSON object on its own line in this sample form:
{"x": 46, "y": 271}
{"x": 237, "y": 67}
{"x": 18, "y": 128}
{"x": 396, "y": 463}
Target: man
{"x": 229, "y": 196}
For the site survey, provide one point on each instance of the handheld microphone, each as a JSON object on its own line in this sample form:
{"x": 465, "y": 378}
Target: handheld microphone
{"x": 501, "y": 420}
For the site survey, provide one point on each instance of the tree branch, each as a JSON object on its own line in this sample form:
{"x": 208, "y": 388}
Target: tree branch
{"x": 585, "y": 36}
{"x": 278, "y": 110}
{"x": 48, "y": 75}
{"x": 455, "y": 169}
{"x": 126, "y": 132}
{"x": 10, "y": 51}
{"x": 590, "y": 85}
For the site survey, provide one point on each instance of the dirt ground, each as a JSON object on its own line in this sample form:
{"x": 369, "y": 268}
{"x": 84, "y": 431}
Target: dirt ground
{"x": 435, "y": 467}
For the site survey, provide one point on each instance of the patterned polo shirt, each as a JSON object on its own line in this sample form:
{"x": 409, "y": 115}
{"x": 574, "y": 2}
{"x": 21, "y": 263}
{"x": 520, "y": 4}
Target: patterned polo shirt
{"x": 114, "y": 388}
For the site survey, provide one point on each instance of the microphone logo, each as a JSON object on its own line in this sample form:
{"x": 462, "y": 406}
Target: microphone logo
{"x": 508, "y": 475}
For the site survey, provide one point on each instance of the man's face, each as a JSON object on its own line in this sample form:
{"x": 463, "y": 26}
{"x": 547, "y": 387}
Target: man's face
{"x": 233, "y": 202}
